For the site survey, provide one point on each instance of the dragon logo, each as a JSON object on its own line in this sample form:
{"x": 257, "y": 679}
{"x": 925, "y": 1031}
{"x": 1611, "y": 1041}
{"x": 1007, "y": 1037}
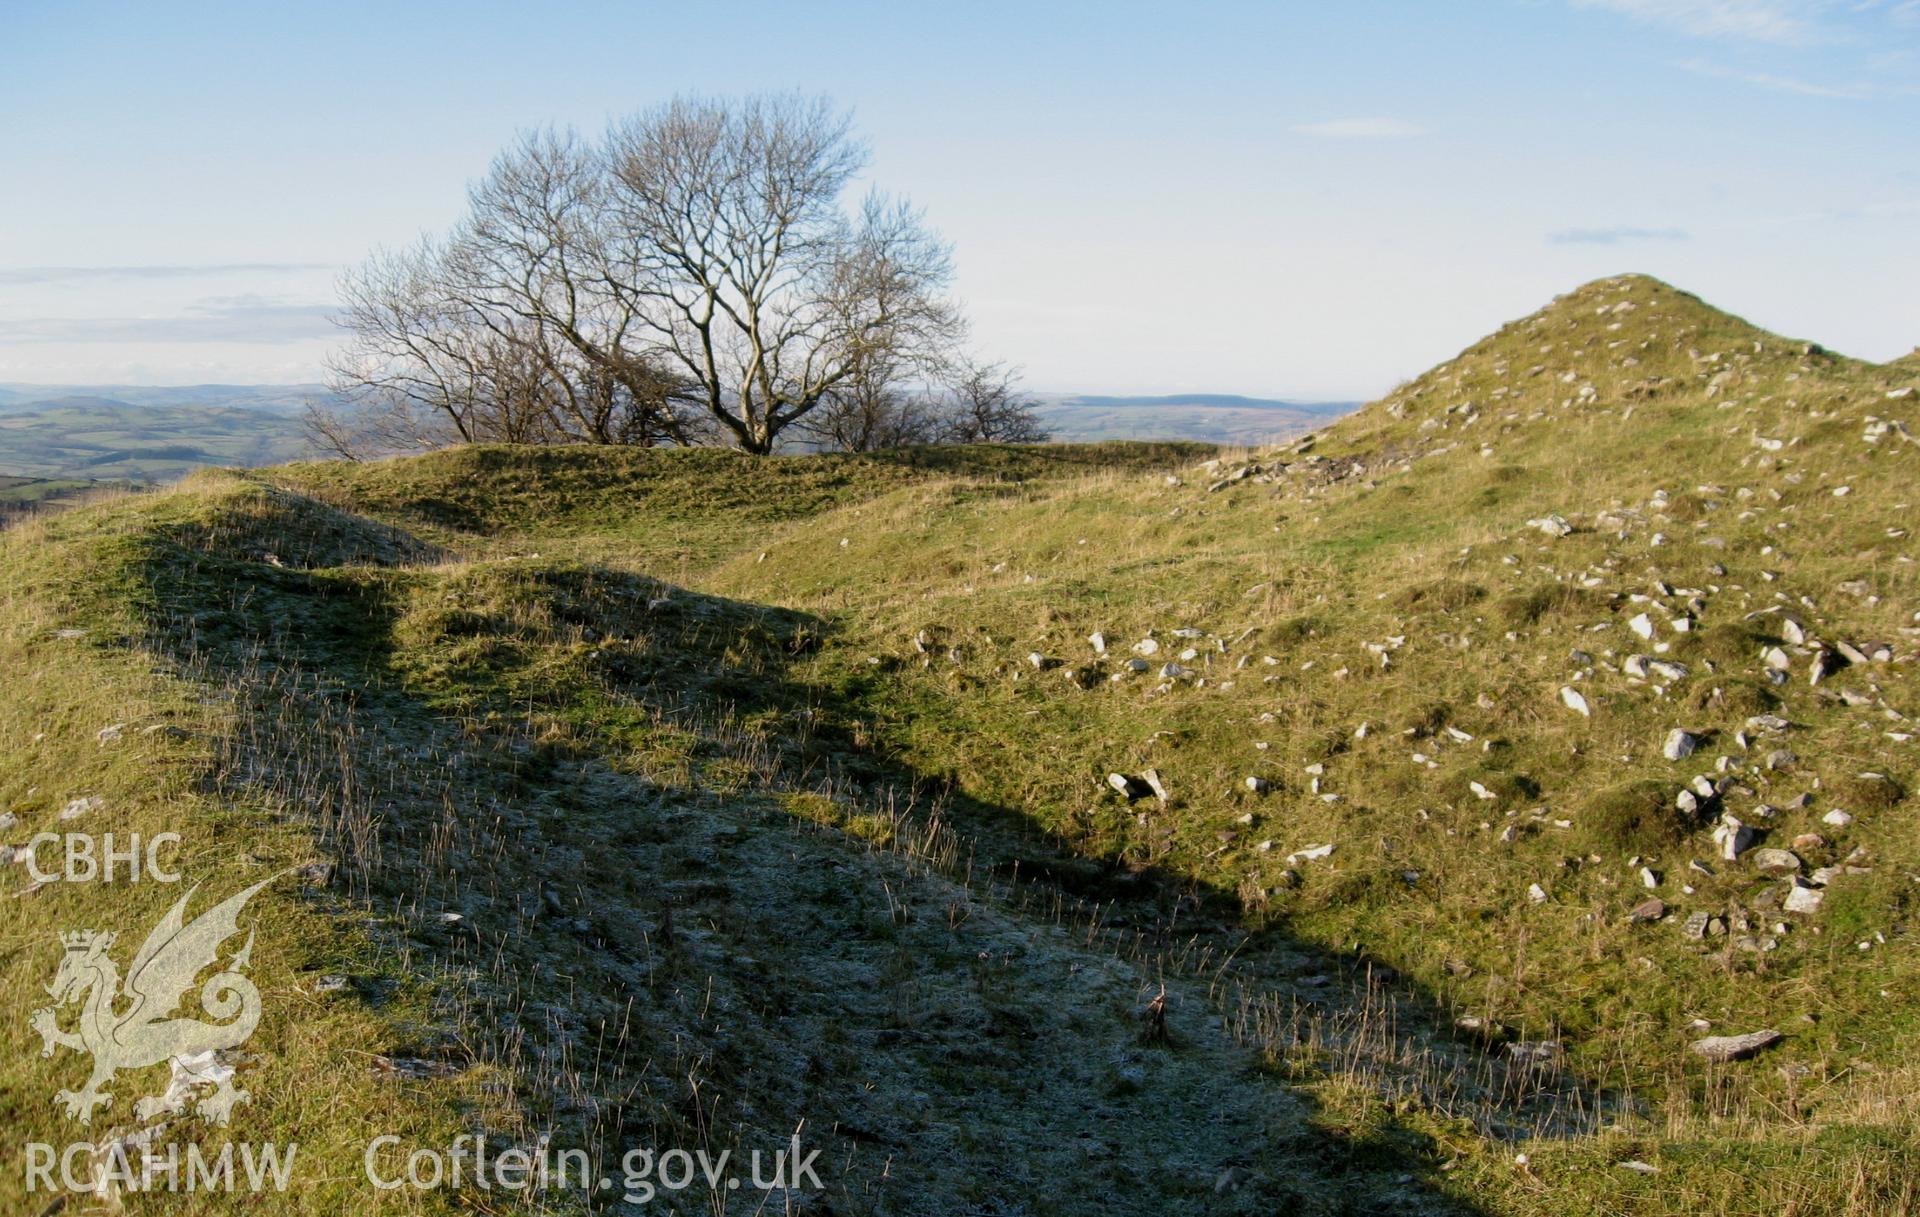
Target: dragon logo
{"x": 145, "y": 1034}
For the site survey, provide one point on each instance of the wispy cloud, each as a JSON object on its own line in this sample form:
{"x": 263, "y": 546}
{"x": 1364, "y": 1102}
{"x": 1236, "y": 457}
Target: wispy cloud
{"x": 78, "y": 274}
{"x": 1781, "y": 22}
{"x": 231, "y": 319}
{"x": 1614, "y": 236}
{"x": 1360, "y": 128}
{"x": 1779, "y": 84}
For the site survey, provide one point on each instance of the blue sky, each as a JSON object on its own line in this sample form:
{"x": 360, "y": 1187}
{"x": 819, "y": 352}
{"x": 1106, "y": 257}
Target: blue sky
{"x": 1294, "y": 199}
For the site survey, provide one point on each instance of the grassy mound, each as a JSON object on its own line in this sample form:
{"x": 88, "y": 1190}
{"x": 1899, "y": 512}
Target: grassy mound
{"x": 671, "y": 507}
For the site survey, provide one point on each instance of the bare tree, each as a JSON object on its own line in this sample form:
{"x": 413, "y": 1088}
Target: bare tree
{"x": 534, "y": 252}
{"x": 983, "y": 405}
{"x": 369, "y": 428}
{"x": 874, "y": 408}
{"x": 729, "y": 241}
{"x": 412, "y": 351}
{"x": 694, "y": 275}
{"x": 495, "y": 334}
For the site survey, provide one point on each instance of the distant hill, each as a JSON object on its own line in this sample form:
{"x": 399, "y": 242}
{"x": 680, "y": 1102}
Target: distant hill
{"x": 291, "y": 399}
{"x": 1233, "y": 400}
{"x": 156, "y": 434}
{"x": 24, "y": 495}
{"x": 95, "y": 438}
{"x": 1217, "y": 418}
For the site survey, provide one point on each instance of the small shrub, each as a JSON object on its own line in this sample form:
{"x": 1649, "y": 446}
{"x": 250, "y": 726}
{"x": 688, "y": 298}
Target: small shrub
{"x": 1549, "y": 600}
{"x": 1430, "y": 718}
{"x": 1441, "y": 595}
{"x": 1684, "y": 508}
{"x": 1294, "y": 629}
{"x": 1636, "y": 817}
{"x": 1726, "y": 643}
{"x": 1862, "y": 792}
{"x": 1508, "y": 786}
{"x": 1737, "y": 698}
{"x": 875, "y": 828}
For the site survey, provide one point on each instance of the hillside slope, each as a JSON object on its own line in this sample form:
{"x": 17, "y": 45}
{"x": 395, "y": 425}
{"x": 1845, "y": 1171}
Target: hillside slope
{"x": 1124, "y": 829}
{"x": 1628, "y": 502}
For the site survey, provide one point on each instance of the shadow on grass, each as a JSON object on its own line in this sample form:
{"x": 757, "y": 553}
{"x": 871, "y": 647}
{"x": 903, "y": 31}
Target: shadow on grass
{"x": 622, "y": 726}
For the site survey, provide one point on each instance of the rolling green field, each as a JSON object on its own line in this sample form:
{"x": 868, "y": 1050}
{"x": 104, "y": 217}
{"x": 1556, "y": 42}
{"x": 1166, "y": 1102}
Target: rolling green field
{"x": 111, "y": 440}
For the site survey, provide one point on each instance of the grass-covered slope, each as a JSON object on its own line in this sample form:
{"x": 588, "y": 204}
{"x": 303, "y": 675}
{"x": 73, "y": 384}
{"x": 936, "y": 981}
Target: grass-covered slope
{"x": 594, "y": 866}
{"x": 112, "y": 728}
{"x": 682, "y": 798}
{"x": 1371, "y": 626}
{"x": 670, "y": 510}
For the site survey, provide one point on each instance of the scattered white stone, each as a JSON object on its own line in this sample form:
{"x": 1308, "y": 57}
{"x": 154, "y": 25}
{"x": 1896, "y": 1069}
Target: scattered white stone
{"x": 1803, "y": 898}
{"x": 80, "y": 807}
{"x": 1733, "y": 838}
{"x": 1574, "y": 701}
{"x": 1679, "y": 744}
{"x": 1722, "y": 1048}
{"x": 1129, "y": 787}
{"x": 1822, "y": 665}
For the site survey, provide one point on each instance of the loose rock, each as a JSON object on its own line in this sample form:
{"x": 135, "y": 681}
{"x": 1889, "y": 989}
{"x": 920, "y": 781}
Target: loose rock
{"x": 1723, "y": 1048}
{"x": 1803, "y": 898}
